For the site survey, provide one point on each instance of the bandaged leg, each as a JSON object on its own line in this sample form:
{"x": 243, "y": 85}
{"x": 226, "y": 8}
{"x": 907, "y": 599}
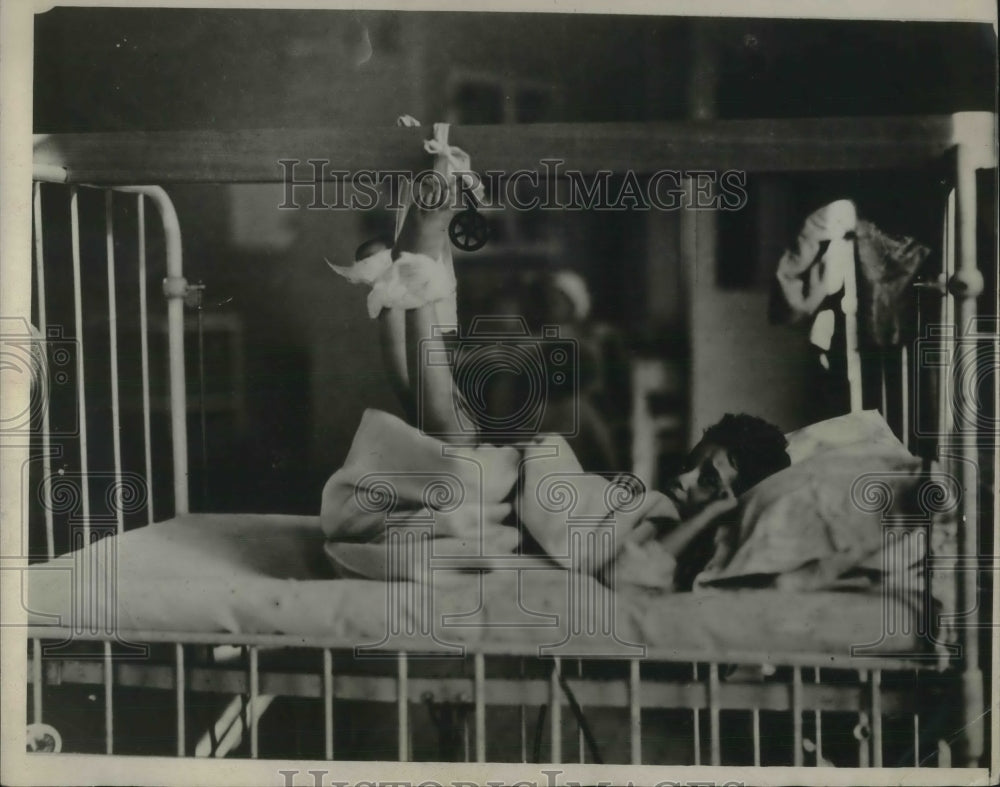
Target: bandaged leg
{"x": 413, "y": 288}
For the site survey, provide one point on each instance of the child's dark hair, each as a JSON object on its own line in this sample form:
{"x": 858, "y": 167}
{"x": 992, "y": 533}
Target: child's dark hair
{"x": 756, "y": 447}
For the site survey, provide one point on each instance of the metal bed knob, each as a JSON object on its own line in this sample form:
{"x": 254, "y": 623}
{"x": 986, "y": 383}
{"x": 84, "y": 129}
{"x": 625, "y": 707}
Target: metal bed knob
{"x": 963, "y": 284}
{"x": 862, "y": 730}
{"x": 44, "y": 737}
{"x": 966, "y": 283}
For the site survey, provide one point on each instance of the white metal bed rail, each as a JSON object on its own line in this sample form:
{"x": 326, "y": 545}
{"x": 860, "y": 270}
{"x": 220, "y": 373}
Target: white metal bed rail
{"x": 174, "y": 287}
{"x": 555, "y": 684}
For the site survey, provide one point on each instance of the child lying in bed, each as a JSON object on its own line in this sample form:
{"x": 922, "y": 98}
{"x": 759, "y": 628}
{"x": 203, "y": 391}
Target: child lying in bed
{"x": 413, "y": 294}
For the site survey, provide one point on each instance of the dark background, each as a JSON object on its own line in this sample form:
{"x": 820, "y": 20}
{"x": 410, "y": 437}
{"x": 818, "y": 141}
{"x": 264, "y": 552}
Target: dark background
{"x": 295, "y": 350}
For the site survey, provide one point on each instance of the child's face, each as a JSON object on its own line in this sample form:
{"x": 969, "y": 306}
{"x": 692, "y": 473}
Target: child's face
{"x": 709, "y": 474}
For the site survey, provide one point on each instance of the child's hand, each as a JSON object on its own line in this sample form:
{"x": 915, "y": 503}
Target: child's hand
{"x": 721, "y": 506}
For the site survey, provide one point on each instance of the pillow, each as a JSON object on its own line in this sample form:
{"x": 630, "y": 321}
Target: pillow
{"x": 824, "y": 517}
{"x": 865, "y": 426}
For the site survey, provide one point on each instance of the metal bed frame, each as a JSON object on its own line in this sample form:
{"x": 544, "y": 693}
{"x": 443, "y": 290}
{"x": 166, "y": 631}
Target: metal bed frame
{"x": 806, "y": 686}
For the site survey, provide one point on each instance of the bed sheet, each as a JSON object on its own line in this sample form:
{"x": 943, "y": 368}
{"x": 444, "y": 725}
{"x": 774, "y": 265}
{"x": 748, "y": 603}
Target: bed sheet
{"x": 268, "y": 574}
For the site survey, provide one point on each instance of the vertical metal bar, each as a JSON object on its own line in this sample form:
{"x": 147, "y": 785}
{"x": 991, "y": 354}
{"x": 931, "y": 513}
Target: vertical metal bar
{"x": 181, "y": 684}
{"x": 555, "y": 715}
{"x": 36, "y": 680}
{"x": 697, "y": 723}
{"x": 864, "y": 758}
{"x": 116, "y": 440}
{"x": 916, "y": 740}
{"x": 144, "y": 350}
{"x": 876, "y": 705}
{"x": 402, "y": 706}
{"x": 818, "y": 718}
{"x": 174, "y": 290}
{"x": 883, "y": 388}
{"x": 522, "y": 714}
{"x": 254, "y": 699}
{"x": 904, "y": 394}
{"x": 849, "y": 307}
{"x": 797, "y": 716}
{"x": 581, "y": 751}
{"x": 715, "y": 745}
{"x": 944, "y": 423}
{"x": 479, "y": 663}
{"x": 863, "y": 746}
{"x": 74, "y": 215}
{"x": 328, "y": 703}
{"x": 756, "y": 738}
{"x": 635, "y": 710}
{"x": 109, "y": 713}
{"x": 944, "y": 753}
{"x": 968, "y": 282}
{"x": 43, "y": 329}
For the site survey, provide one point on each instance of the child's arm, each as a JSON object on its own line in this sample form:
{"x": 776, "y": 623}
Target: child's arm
{"x": 675, "y": 541}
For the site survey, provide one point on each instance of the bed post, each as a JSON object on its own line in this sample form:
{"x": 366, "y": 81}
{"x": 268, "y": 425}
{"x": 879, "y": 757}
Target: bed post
{"x": 849, "y": 308}
{"x": 965, "y": 286}
{"x": 175, "y": 289}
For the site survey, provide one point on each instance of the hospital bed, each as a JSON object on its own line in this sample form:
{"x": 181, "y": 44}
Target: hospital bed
{"x": 246, "y": 608}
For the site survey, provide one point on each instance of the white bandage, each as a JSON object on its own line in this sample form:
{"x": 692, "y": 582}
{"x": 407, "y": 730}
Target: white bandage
{"x": 367, "y": 270}
{"x": 412, "y": 281}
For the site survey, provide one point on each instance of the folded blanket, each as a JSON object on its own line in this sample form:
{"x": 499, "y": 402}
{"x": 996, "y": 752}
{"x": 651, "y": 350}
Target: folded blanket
{"x": 475, "y": 498}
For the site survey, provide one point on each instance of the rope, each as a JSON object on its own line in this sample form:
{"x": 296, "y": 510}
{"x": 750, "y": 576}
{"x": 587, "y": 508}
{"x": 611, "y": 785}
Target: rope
{"x": 574, "y": 706}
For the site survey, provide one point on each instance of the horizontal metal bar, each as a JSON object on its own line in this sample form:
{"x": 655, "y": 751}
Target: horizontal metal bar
{"x": 924, "y": 662}
{"x": 253, "y": 155}
{"x": 595, "y": 692}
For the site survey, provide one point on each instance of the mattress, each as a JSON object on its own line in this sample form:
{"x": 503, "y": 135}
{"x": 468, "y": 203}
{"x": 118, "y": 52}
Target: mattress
{"x": 244, "y": 574}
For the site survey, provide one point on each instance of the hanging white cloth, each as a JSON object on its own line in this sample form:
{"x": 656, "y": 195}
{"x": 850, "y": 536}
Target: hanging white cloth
{"x": 818, "y": 265}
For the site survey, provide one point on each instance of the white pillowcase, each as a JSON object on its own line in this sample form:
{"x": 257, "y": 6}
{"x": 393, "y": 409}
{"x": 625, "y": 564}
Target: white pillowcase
{"x": 865, "y": 426}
